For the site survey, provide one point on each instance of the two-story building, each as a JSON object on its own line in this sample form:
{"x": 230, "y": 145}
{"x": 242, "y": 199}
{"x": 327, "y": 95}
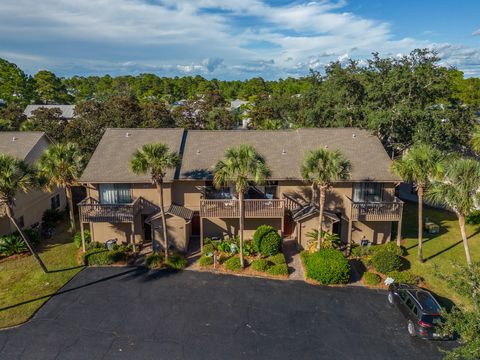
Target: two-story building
{"x": 29, "y": 207}
{"x": 124, "y": 206}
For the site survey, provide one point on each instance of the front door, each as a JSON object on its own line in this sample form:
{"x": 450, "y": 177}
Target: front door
{"x": 147, "y": 230}
{"x": 288, "y": 225}
{"x": 196, "y": 224}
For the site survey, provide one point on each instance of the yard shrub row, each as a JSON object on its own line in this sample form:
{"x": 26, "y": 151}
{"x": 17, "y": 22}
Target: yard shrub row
{"x": 327, "y": 266}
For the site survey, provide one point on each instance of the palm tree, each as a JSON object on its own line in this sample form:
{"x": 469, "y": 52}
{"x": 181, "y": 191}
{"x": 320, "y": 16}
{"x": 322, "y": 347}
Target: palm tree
{"x": 155, "y": 159}
{"x": 419, "y": 165}
{"x": 242, "y": 167}
{"x": 16, "y": 175}
{"x": 475, "y": 142}
{"x": 61, "y": 166}
{"x": 323, "y": 167}
{"x": 458, "y": 190}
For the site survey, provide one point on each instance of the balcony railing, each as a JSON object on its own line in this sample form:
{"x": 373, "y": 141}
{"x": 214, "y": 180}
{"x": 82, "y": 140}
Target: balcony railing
{"x": 90, "y": 210}
{"x": 376, "y": 211}
{"x": 230, "y": 208}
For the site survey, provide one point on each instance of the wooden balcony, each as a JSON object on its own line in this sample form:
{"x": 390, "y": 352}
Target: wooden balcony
{"x": 254, "y": 208}
{"x": 90, "y": 210}
{"x": 376, "y": 211}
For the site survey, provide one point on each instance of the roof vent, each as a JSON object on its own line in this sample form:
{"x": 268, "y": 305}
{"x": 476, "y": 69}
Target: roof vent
{"x": 198, "y": 151}
{"x": 127, "y": 134}
{"x": 14, "y": 138}
{"x": 283, "y": 152}
{"x": 354, "y": 136}
{"x": 326, "y": 146}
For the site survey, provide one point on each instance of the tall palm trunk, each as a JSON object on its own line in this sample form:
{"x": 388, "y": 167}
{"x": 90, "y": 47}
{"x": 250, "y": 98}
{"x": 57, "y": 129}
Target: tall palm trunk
{"x": 68, "y": 192}
{"x": 10, "y": 215}
{"x": 420, "y": 222}
{"x": 159, "y": 185}
{"x": 321, "y": 200}
{"x": 461, "y": 222}
{"x": 241, "y": 225}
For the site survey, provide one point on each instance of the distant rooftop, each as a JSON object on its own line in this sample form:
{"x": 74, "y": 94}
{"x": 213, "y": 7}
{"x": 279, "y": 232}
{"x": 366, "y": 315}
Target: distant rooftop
{"x": 19, "y": 144}
{"x": 235, "y": 104}
{"x": 68, "y": 111}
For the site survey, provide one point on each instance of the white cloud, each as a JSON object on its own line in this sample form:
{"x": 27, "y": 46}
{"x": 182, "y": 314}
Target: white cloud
{"x": 171, "y": 36}
{"x": 476, "y": 32}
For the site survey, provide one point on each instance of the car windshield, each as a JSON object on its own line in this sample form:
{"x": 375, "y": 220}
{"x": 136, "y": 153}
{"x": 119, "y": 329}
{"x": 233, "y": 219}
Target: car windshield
{"x": 428, "y": 302}
{"x": 432, "y": 319}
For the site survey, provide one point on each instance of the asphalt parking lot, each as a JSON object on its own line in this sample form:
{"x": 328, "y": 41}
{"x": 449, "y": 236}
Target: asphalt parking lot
{"x": 132, "y": 313}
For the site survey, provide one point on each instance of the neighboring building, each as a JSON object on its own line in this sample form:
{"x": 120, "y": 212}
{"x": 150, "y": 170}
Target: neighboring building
{"x": 125, "y": 206}
{"x": 237, "y": 106}
{"x": 68, "y": 111}
{"x": 29, "y": 207}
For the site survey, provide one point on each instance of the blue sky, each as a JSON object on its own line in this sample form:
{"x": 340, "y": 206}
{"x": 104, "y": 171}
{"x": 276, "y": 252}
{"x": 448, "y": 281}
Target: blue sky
{"x": 230, "y": 39}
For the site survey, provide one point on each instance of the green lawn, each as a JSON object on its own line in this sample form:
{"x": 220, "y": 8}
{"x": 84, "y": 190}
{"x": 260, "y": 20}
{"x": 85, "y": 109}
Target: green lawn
{"x": 22, "y": 279}
{"x": 440, "y": 249}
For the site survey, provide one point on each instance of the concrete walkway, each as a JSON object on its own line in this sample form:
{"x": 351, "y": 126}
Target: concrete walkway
{"x": 295, "y": 269}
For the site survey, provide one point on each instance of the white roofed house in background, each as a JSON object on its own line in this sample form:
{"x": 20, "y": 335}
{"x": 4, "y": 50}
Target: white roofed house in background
{"x": 238, "y": 107}
{"x": 68, "y": 111}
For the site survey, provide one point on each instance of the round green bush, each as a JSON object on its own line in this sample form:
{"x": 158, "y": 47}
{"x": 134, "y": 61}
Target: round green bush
{"x": 404, "y": 277}
{"x": 371, "y": 278}
{"x": 261, "y": 231}
{"x": 77, "y": 239}
{"x": 260, "y": 265}
{"x": 278, "y": 269}
{"x": 271, "y": 244}
{"x": 154, "y": 261}
{"x": 392, "y": 247}
{"x": 327, "y": 266}
{"x": 386, "y": 261}
{"x": 233, "y": 263}
{"x": 206, "y": 260}
{"x": 277, "y": 259}
{"x": 176, "y": 261}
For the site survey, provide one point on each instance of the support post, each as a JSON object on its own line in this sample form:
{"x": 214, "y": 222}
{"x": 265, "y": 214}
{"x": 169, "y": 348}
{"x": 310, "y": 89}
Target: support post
{"x": 152, "y": 231}
{"x": 82, "y": 231}
{"x": 132, "y": 227}
{"x": 201, "y": 235}
{"x": 399, "y": 229}
{"x": 349, "y": 235}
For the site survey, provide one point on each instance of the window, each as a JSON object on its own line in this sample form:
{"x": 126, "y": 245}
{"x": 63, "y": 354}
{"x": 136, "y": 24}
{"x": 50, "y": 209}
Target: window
{"x": 115, "y": 193}
{"x": 410, "y": 304}
{"x": 367, "y": 192}
{"x": 55, "y": 202}
{"x": 402, "y": 294}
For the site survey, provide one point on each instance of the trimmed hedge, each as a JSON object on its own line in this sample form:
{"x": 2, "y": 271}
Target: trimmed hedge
{"x": 271, "y": 244}
{"x": 260, "y": 265}
{"x": 278, "y": 269}
{"x": 327, "y": 266}
{"x": 261, "y": 231}
{"x": 154, "y": 261}
{"x": 205, "y": 260}
{"x": 176, "y": 261}
{"x": 371, "y": 278}
{"x": 277, "y": 259}
{"x": 404, "y": 277}
{"x": 233, "y": 263}
{"x": 386, "y": 261}
{"x": 104, "y": 257}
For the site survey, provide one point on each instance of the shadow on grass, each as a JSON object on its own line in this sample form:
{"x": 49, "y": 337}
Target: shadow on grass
{"x": 66, "y": 269}
{"x": 130, "y": 274}
{"x": 443, "y": 251}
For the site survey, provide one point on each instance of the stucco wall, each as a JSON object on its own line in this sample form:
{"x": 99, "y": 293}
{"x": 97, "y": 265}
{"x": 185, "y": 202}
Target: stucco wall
{"x": 188, "y": 193}
{"x": 308, "y": 225}
{"x": 178, "y": 232}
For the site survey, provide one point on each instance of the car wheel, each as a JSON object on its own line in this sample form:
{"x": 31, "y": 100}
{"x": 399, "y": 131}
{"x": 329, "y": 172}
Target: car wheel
{"x": 391, "y": 300}
{"x": 411, "y": 328}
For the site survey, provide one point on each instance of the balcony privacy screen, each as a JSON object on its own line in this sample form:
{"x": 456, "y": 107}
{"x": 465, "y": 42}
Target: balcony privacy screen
{"x": 367, "y": 192}
{"x": 115, "y": 193}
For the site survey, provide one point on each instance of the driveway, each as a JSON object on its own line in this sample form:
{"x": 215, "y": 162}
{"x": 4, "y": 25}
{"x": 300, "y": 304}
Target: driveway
{"x": 130, "y": 313}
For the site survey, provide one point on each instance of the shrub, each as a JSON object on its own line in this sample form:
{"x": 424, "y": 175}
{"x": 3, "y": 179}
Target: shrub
{"x": 392, "y": 247}
{"x": 277, "y": 259}
{"x": 386, "y": 261}
{"x": 233, "y": 263}
{"x": 77, "y": 239}
{"x": 327, "y": 266}
{"x": 206, "y": 260}
{"x": 177, "y": 261}
{"x": 271, "y": 244}
{"x": 208, "y": 249}
{"x": 260, "y": 265}
{"x": 51, "y": 217}
{"x": 224, "y": 246}
{"x": 371, "y": 278}
{"x": 278, "y": 269}
{"x": 261, "y": 231}
{"x": 154, "y": 261}
{"x": 12, "y": 244}
{"x": 360, "y": 251}
{"x": 248, "y": 248}
{"x": 473, "y": 218}
{"x": 33, "y": 235}
{"x": 404, "y": 277}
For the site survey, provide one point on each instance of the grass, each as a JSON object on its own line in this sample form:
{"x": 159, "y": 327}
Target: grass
{"x": 439, "y": 250}
{"x": 22, "y": 279}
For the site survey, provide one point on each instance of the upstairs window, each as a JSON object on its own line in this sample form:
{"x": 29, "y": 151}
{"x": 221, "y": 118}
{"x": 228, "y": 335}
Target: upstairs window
{"x": 115, "y": 193}
{"x": 55, "y": 202}
{"x": 367, "y": 192}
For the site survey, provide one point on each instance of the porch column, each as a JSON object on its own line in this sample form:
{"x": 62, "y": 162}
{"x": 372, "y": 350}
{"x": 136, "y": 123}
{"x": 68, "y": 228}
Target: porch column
{"x": 132, "y": 227}
{"x": 152, "y": 231}
{"x": 82, "y": 231}
{"x": 282, "y": 219}
{"x": 349, "y": 235}
{"x": 399, "y": 230}
{"x": 201, "y": 234}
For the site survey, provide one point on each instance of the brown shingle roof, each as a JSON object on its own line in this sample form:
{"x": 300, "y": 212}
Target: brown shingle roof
{"x": 174, "y": 210}
{"x": 19, "y": 143}
{"x": 109, "y": 162}
{"x": 283, "y": 151}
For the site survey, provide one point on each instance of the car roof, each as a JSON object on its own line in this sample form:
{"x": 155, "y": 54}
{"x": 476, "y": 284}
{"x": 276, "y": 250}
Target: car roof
{"x": 424, "y": 300}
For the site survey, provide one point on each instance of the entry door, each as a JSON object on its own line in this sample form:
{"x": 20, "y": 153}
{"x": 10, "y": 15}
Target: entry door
{"x": 288, "y": 225}
{"x": 196, "y": 225}
{"x": 147, "y": 229}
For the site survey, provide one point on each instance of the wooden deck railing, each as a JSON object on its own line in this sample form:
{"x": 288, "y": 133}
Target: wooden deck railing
{"x": 230, "y": 208}
{"x": 377, "y": 211}
{"x": 90, "y": 210}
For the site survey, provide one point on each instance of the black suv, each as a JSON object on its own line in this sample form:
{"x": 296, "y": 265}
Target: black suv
{"x": 421, "y": 310}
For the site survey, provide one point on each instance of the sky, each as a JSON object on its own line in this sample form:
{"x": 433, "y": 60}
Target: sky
{"x": 231, "y": 39}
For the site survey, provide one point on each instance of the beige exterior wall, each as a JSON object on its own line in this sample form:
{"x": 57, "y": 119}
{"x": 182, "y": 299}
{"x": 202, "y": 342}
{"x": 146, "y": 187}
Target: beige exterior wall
{"x": 308, "y": 225}
{"x": 178, "y": 232}
{"x": 223, "y": 226}
{"x": 147, "y": 191}
{"x": 188, "y": 193}
{"x": 378, "y": 232}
